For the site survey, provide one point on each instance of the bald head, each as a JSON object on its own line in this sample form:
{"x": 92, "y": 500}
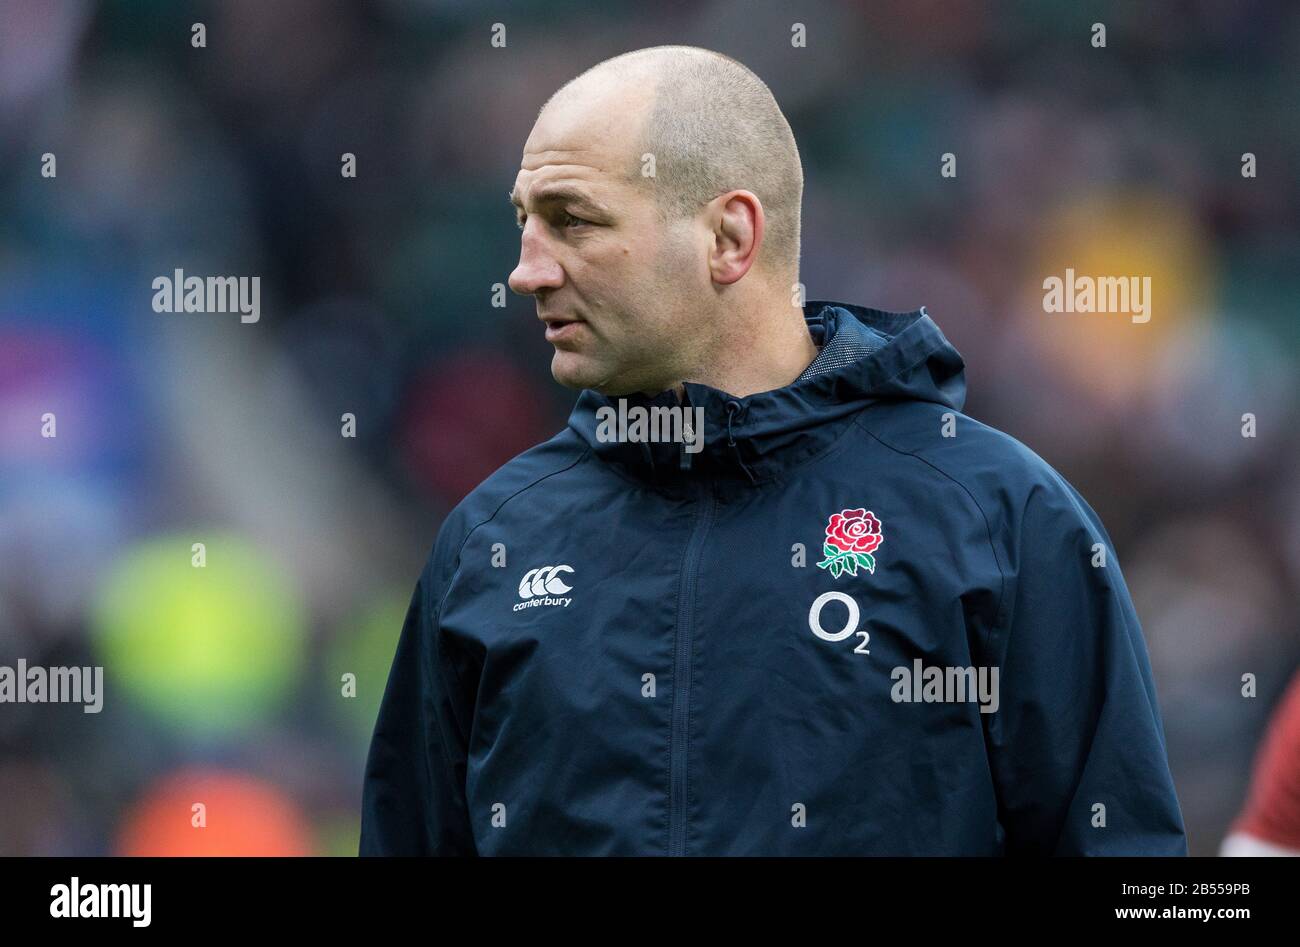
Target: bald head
{"x": 711, "y": 126}
{"x": 658, "y": 206}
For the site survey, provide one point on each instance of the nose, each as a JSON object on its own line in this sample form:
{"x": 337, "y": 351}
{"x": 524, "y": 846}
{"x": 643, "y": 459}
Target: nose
{"x": 538, "y": 269}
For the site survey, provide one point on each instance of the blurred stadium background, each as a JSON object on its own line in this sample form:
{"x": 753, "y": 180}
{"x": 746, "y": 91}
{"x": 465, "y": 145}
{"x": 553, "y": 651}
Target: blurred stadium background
{"x": 183, "y": 428}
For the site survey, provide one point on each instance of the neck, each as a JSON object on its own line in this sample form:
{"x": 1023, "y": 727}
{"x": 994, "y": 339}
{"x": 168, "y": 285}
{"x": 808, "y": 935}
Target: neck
{"x": 766, "y": 351}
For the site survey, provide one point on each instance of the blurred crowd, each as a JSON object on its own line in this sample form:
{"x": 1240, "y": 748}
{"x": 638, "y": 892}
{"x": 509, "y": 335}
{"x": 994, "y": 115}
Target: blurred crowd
{"x": 177, "y": 429}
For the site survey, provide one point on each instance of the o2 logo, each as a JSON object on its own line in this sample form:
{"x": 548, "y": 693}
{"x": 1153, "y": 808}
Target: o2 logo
{"x": 851, "y": 626}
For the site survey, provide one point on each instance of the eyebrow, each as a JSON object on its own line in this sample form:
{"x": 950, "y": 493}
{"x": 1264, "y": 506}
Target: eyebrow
{"x": 560, "y": 194}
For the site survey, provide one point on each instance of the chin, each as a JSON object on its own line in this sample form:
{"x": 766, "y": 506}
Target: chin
{"x": 572, "y": 371}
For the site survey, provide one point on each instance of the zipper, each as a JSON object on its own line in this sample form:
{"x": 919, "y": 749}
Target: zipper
{"x": 677, "y": 745}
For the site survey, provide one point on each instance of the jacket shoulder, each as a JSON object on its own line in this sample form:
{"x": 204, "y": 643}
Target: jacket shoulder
{"x": 516, "y": 476}
{"x": 994, "y": 467}
{"x": 1026, "y": 505}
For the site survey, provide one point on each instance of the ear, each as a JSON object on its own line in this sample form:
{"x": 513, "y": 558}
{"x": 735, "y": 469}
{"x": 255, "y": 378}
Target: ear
{"x": 737, "y": 235}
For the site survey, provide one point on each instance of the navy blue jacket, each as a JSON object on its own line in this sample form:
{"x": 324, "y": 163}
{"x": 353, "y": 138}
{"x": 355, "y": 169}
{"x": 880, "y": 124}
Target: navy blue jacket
{"x": 626, "y": 647}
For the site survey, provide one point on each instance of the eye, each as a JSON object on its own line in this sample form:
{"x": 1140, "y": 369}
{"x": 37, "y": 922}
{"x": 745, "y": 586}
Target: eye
{"x": 564, "y": 218}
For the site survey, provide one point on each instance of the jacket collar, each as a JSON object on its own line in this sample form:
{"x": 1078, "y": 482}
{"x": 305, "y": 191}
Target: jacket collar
{"x": 763, "y": 436}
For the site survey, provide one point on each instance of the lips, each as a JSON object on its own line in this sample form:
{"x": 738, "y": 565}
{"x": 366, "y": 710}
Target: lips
{"x": 560, "y": 327}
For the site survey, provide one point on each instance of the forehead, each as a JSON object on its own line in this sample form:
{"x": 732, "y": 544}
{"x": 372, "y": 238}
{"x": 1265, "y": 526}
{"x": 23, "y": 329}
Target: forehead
{"x": 584, "y": 140}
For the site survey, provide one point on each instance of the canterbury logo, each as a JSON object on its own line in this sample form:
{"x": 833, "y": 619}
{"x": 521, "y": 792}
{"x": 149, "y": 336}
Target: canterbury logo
{"x": 543, "y": 586}
{"x": 543, "y": 581}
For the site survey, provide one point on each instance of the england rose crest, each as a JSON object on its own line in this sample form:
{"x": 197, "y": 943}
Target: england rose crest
{"x": 851, "y": 538}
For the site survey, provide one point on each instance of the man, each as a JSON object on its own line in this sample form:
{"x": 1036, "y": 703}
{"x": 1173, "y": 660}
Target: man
{"x": 829, "y": 614}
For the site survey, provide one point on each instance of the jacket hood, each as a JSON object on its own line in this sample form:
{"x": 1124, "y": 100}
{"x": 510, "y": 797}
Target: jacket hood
{"x": 876, "y": 356}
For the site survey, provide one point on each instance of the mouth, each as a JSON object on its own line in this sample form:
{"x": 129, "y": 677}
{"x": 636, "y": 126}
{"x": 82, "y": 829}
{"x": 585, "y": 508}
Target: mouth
{"x": 559, "y": 328}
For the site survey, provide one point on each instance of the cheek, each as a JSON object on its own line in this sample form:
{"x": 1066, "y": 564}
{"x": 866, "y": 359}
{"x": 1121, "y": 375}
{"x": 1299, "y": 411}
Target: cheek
{"x": 613, "y": 263}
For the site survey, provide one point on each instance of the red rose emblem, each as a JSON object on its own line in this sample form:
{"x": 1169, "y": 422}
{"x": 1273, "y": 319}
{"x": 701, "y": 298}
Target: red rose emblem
{"x": 854, "y": 531}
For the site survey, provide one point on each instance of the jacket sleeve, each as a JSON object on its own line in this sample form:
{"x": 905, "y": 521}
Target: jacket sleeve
{"x": 1077, "y": 746}
{"x": 413, "y": 794}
